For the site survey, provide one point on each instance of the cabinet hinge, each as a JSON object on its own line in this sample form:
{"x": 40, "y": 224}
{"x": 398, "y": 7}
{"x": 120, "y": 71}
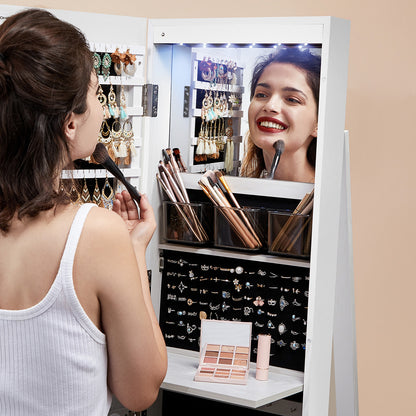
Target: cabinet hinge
{"x": 150, "y": 100}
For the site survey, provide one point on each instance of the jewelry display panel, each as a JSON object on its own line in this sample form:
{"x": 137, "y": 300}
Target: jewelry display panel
{"x": 273, "y": 297}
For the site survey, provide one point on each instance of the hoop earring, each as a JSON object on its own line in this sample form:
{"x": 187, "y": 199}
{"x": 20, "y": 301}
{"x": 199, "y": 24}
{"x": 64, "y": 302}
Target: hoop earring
{"x": 127, "y": 130}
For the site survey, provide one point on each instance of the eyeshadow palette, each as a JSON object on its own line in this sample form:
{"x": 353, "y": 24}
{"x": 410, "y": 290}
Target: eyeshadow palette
{"x": 224, "y": 362}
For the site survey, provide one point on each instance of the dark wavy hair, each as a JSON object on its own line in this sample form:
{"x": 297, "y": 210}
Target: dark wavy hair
{"x": 45, "y": 72}
{"x": 253, "y": 163}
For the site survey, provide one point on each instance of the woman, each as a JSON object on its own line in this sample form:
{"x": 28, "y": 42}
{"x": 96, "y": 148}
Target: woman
{"x": 76, "y": 319}
{"x": 284, "y": 105}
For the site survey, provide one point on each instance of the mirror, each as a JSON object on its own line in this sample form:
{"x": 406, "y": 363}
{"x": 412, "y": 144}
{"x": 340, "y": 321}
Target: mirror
{"x": 210, "y": 104}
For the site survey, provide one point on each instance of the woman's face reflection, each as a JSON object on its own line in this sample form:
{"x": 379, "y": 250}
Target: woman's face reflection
{"x": 283, "y": 107}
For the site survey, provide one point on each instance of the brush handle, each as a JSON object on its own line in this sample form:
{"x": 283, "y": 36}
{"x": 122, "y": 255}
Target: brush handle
{"x": 114, "y": 169}
{"x": 131, "y": 189}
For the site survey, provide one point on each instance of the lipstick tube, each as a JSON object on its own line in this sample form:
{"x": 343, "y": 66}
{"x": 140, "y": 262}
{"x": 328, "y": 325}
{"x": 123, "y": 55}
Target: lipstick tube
{"x": 263, "y": 357}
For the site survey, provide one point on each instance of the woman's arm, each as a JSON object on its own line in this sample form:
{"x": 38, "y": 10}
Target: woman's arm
{"x": 137, "y": 358}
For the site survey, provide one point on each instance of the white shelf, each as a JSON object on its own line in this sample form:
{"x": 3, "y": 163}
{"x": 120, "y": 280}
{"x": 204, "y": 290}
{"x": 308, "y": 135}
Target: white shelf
{"x": 121, "y": 80}
{"x": 99, "y": 173}
{"x": 232, "y": 113}
{"x": 255, "y": 186}
{"x": 182, "y": 366}
{"x": 205, "y": 85}
{"x": 235, "y": 254}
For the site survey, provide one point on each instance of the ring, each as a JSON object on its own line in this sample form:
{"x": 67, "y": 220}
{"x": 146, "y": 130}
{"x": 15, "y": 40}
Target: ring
{"x": 190, "y": 302}
{"x": 270, "y": 325}
{"x": 283, "y": 303}
{"x": 281, "y": 328}
{"x": 182, "y": 287}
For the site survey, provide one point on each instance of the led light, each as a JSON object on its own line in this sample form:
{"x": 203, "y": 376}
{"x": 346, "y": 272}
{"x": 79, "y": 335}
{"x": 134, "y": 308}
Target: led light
{"x": 204, "y": 45}
{"x": 228, "y": 45}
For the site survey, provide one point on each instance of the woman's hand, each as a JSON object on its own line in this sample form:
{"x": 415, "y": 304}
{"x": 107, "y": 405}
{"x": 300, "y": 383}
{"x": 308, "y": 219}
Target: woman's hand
{"x": 141, "y": 228}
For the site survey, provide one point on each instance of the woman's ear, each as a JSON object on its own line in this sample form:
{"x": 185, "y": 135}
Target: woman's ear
{"x": 70, "y": 128}
{"x": 315, "y": 131}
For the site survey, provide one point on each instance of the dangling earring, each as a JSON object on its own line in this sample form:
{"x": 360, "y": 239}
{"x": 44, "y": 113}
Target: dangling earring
{"x": 117, "y": 58}
{"x": 96, "y": 59}
{"x": 129, "y": 64}
{"x": 112, "y": 104}
{"x": 123, "y": 114}
{"x": 103, "y": 100}
{"x": 85, "y": 194}
{"x": 127, "y": 130}
{"x": 74, "y": 195}
{"x": 107, "y": 201}
{"x": 96, "y": 196}
{"x": 105, "y": 66}
{"x": 116, "y": 136}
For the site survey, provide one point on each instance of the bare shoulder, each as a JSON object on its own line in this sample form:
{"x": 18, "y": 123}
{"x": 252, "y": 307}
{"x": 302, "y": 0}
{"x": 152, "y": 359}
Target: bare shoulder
{"x": 104, "y": 240}
{"x": 104, "y": 228}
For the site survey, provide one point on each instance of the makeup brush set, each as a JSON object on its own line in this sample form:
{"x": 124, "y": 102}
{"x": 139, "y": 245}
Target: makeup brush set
{"x": 231, "y": 220}
{"x": 187, "y": 225}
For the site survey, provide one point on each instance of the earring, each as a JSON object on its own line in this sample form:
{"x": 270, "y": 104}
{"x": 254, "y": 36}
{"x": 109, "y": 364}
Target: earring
{"x": 74, "y": 195}
{"x": 103, "y": 100}
{"x": 116, "y": 135}
{"x": 96, "y": 59}
{"x": 107, "y": 201}
{"x": 105, "y": 66}
{"x": 117, "y": 58}
{"x": 129, "y": 63}
{"x": 112, "y": 104}
{"x": 123, "y": 114}
{"x": 96, "y": 196}
{"x": 85, "y": 195}
{"x": 127, "y": 130}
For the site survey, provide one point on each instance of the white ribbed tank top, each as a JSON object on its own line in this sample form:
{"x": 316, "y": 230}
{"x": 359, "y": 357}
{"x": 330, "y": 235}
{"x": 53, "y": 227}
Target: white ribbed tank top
{"x": 53, "y": 359}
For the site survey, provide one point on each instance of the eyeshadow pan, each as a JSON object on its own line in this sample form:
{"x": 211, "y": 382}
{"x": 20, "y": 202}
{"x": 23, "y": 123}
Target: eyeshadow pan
{"x": 227, "y": 348}
{"x": 211, "y": 353}
{"x": 241, "y": 355}
{"x": 213, "y": 347}
{"x": 227, "y": 361}
{"x": 210, "y": 360}
{"x": 226, "y": 354}
{"x": 240, "y": 362}
{"x": 242, "y": 350}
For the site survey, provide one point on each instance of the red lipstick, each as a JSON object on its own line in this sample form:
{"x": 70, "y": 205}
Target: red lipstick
{"x": 268, "y": 129}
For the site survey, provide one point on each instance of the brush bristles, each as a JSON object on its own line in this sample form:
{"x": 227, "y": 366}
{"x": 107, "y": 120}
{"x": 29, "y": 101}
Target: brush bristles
{"x": 100, "y": 154}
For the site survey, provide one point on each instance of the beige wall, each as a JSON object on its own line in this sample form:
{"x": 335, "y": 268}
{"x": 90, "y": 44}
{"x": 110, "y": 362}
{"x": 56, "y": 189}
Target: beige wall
{"x": 381, "y": 111}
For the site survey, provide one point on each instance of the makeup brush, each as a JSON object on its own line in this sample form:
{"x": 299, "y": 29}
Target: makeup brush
{"x": 101, "y": 156}
{"x": 279, "y": 147}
